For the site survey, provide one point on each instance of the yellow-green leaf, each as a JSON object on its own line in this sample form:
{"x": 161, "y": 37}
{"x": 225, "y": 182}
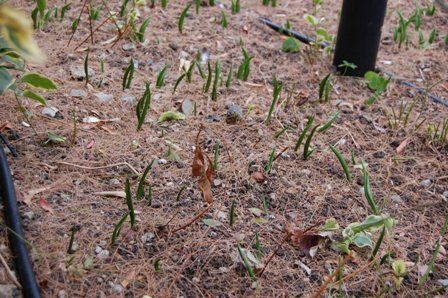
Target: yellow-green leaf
{"x": 35, "y": 97}
{"x": 38, "y": 80}
{"x": 16, "y": 30}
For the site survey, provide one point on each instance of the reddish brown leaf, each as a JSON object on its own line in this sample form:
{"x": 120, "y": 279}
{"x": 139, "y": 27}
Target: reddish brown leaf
{"x": 44, "y": 204}
{"x": 402, "y": 145}
{"x": 210, "y": 170}
{"x": 90, "y": 144}
{"x": 259, "y": 177}
{"x": 206, "y": 189}
{"x": 198, "y": 162}
{"x": 303, "y": 240}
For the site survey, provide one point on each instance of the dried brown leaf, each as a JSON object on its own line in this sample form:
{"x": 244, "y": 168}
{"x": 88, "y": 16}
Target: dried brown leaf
{"x": 402, "y": 146}
{"x": 259, "y": 177}
{"x": 44, "y": 204}
{"x": 206, "y": 189}
{"x": 198, "y": 162}
{"x": 303, "y": 240}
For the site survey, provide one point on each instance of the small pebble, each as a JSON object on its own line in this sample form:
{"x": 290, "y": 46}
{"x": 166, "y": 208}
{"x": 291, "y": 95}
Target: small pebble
{"x": 379, "y": 154}
{"x": 234, "y": 113}
{"x": 62, "y": 294}
{"x": 118, "y": 289}
{"x": 396, "y": 199}
{"x": 77, "y": 72}
{"x": 78, "y": 93}
{"x": 128, "y": 99}
{"x": 128, "y": 47}
{"x": 162, "y": 161}
{"x": 50, "y": 111}
{"x": 426, "y": 183}
{"x": 187, "y": 107}
{"x": 104, "y": 97}
{"x": 103, "y": 254}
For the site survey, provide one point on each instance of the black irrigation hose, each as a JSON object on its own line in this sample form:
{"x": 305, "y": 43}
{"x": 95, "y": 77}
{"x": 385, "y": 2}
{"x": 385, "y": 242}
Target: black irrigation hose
{"x": 7, "y": 144}
{"x": 287, "y": 32}
{"x": 309, "y": 40}
{"x": 12, "y": 218}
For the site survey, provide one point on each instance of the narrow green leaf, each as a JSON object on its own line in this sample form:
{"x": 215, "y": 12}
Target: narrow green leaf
{"x": 342, "y": 161}
{"x": 34, "y": 96}
{"x": 180, "y": 24}
{"x": 129, "y": 202}
{"x": 303, "y": 134}
{"x": 306, "y": 152}
{"x": 327, "y": 125}
{"x": 141, "y": 183}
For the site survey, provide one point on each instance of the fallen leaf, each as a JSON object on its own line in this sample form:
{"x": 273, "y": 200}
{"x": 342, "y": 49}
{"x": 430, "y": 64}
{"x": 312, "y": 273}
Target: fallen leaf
{"x": 402, "y": 145}
{"x": 206, "y": 189}
{"x": 259, "y": 220}
{"x": 206, "y": 175}
{"x": 117, "y": 193}
{"x": 90, "y": 144}
{"x": 171, "y": 116}
{"x": 5, "y": 125}
{"x": 31, "y": 193}
{"x": 259, "y": 177}
{"x": 211, "y": 222}
{"x": 44, "y": 204}
{"x": 257, "y": 212}
{"x": 304, "y": 240}
{"x": 198, "y": 162}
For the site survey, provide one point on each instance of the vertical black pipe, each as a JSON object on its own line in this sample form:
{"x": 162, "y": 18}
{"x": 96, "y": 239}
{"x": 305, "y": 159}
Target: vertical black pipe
{"x": 12, "y": 218}
{"x": 359, "y": 35}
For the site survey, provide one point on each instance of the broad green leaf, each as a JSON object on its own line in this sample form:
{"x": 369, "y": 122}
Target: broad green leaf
{"x": 52, "y": 137}
{"x": 312, "y": 20}
{"x": 290, "y": 45}
{"x": 170, "y": 116}
{"x": 399, "y": 267}
{"x": 213, "y": 223}
{"x": 363, "y": 240}
{"x": 330, "y": 225}
{"x": 6, "y": 80}
{"x": 38, "y": 80}
{"x": 34, "y": 96}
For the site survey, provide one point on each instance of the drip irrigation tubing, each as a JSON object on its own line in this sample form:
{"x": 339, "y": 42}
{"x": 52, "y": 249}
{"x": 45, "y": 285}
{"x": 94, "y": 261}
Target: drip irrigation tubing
{"x": 8, "y": 145}
{"x": 299, "y": 36}
{"x": 308, "y": 40}
{"x": 16, "y": 239}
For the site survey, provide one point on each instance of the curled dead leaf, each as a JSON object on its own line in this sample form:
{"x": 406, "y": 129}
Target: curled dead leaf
{"x": 198, "y": 162}
{"x": 259, "y": 177}
{"x": 44, "y": 204}
{"x": 303, "y": 239}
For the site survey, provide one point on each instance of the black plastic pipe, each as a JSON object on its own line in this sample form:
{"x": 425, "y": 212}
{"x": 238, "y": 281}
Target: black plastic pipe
{"x": 287, "y": 32}
{"x": 359, "y": 35}
{"x": 12, "y": 218}
{"x": 309, "y": 40}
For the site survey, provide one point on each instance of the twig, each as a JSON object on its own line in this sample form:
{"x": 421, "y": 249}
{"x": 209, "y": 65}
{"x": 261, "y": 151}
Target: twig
{"x": 273, "y": 253}
{"x": 100, "y": 167}
{"x": 193, "y": 220}
{"x": 90, "y": 23}
{"x": 78, "y": 20}
{"x": 9, "y": 272}
{"x": 330, "y": 278}
{"x": 94, "y": 30}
